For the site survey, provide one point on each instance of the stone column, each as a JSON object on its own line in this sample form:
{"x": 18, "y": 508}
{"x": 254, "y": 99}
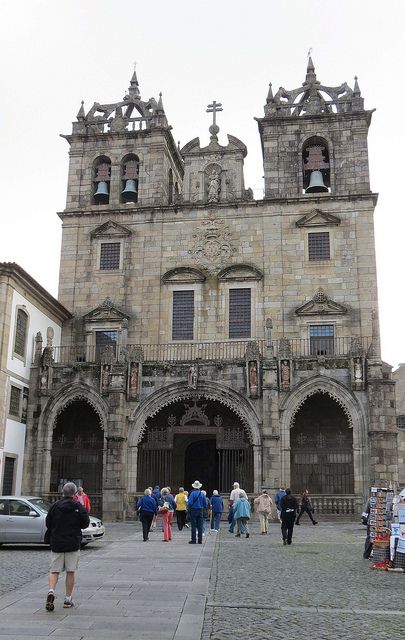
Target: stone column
{"x": 382, "y": 425}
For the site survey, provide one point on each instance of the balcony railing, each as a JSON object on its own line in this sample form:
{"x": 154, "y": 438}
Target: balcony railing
{"x": 227, "y": 350}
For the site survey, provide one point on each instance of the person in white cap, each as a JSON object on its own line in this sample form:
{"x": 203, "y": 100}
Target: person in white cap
{"x": 197, "y": 502}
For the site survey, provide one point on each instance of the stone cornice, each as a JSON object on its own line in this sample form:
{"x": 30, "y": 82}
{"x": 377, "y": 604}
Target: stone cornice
{"x": 14, "y": 272}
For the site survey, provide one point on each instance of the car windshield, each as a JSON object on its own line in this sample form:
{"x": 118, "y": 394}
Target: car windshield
{"x": 42, "y": 505}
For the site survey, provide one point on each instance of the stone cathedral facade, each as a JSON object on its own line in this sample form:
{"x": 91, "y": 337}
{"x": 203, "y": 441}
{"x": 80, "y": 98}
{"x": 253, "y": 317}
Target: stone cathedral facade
{"x": 215, "y": 336}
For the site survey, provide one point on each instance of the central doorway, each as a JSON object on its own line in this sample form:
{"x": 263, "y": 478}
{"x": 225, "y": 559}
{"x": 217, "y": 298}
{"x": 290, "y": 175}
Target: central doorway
{"x": 201, "y": 463}
{"x": 196, "y": 439}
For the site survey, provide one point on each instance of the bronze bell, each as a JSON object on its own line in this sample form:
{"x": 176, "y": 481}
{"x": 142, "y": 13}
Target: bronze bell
{"x": 130, "y": 191}
{"x": 102, "y": 195}
{"x": 316, "y": 183}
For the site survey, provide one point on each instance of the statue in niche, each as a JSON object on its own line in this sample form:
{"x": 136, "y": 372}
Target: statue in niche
{"x": 358, "y": 373}
{"x": 253, "y": 379}
{"x": 193, "y": 377}
{"x": 285, "y": 374}
{"x": 105, "y": 377}
{"x": 133, "y": 380}
{"x": 214, "y": 186}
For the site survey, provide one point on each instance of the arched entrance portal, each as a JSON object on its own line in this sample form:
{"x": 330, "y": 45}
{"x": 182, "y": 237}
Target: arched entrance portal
{"x": 322, "y": 448}
{"x": 195, "y": 440}
{"x": 77, "y": 448}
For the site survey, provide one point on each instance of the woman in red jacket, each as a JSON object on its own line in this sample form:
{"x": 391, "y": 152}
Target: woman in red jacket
{"x": 83, "y": 498}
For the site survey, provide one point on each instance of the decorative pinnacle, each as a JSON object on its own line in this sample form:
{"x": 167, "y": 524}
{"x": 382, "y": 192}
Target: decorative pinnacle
{"x": 160, "y": 104}
{"x": 270, "y": 94}
{"x": 356, "y": 89}
{"x": 81, "y": 115}
{"x": 133, "y": 89}
{"x": 311, "y": 76}
{"x": 214, "y": 108}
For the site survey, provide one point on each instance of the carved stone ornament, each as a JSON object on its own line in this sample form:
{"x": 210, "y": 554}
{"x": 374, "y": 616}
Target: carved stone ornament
{"x": 193, "y": 376}
{"x": 106, "y": 311}
{"x": 194, "y": 414}
{"x": 213, "y": 246}
{"x": 252, "y": 350}
{"x": 284, "y": 348}
{"x": 321, "y": 305}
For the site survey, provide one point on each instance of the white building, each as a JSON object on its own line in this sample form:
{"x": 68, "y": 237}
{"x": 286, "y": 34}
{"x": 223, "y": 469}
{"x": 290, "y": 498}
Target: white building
{"x": 26, "y": 310}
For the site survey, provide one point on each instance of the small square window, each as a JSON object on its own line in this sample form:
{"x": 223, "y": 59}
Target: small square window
{"x": 106, "y": 341}
{"x": 321, "y": 337}
{"x": 401, "y": 422}
{"x": 15, "y": 398}
{"x": 110, "y": 256}
{"x": 319, "y": 246}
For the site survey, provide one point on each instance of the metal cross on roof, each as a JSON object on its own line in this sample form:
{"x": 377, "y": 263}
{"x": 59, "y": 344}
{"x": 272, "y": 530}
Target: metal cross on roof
{"x": 213, "y": 108}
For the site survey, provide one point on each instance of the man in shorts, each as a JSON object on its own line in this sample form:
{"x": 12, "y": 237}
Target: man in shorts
{"x": 65, "y": 521}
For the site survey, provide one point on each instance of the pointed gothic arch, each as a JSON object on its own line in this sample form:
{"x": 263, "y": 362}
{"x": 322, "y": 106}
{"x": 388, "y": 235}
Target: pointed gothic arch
{"x": 351, "y": 408}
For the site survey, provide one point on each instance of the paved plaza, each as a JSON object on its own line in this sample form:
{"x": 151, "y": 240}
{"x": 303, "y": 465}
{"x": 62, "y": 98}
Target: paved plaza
{"x": 226, "y": 588}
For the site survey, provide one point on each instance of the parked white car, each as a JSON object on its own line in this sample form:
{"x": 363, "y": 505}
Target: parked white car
{"x": 22, "y": 519}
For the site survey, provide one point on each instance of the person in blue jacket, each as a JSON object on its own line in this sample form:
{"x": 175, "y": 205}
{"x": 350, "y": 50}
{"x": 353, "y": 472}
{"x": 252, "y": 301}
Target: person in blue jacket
{"x": 277, "y": 499}
{"x": 241, "y": 514}
{"x": 147, "y": 508}
{"x": 217, "y": 507}
{"x": 197, "y": 502}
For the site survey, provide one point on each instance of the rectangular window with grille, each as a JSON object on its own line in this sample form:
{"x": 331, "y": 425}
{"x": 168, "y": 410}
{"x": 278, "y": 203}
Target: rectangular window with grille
{"x": 240, "y": 313}
{"x": 321, "y": 337}
{"x": 319, "y": 246}
{"x": 15, "y": 401}
{"x": 20, "y": 333}
{"x": 401, "y": 422}
{"x": 183, "y": 315}
{"x": 106, "y": 341}
{"x": 110, "y": 256}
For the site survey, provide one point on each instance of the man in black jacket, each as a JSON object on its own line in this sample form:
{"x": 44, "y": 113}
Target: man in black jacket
{"x": 65, "y": 521}
{"x": 289, "y": 507}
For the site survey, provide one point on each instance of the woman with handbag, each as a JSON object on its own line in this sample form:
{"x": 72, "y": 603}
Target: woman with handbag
{"x": 167, "y": 506}
{"x": 306, "y": 507}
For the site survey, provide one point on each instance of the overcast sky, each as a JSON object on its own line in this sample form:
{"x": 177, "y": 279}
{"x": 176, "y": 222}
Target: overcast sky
{"x": 54, "y": 54}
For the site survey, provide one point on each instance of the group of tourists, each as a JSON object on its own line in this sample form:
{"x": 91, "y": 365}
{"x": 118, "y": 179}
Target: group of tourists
{"x": 196, "y": 509}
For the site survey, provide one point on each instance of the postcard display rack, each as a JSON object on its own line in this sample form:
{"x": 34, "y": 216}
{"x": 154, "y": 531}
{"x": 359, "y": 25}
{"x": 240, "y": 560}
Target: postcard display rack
{"x": 381, "y": 501}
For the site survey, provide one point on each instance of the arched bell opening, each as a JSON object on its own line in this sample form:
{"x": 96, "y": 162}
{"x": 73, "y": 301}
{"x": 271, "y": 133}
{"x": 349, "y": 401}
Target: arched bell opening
{"x": 77, "y": 450}
{"x": 315, "y": 166}
{"x": 322, "y": 448}
{"x": 101, "y": 180}
{"x": 195, "y": 440}
{"x": 129, "y": 179}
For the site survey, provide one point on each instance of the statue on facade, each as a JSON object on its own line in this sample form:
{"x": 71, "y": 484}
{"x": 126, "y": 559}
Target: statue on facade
{"x": 214, "y": 186}
{"x": 193, "y": 377}
{"x": 253, "y": 379}
{"x": 285, "y": 374}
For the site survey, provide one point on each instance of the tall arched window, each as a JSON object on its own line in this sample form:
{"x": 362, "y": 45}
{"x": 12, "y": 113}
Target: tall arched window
{"x": 130, "y": 178}
{"x": 101, "y": 180}
{"x": 21, "y": 332}
{"x": 315, "y": 165}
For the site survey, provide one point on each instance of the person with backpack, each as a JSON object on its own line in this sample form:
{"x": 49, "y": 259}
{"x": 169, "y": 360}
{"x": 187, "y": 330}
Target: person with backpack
{"x": 64, "y": 522}
{"x": 197, "y": 502}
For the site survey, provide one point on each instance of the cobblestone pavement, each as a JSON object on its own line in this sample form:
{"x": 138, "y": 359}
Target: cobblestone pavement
{"x": 320, "y": 586}
{"x": 19, "y": 564}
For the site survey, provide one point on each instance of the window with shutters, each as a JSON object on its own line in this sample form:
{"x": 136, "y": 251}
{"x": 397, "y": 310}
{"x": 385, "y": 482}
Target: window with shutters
{"x": 240, "y": 313}
{"x": 21, "y": 330}
{"x": 183, "y": 315}
{"x": 321, "y": 337}
{"x": 15, "y": 401}
{"x": 110, "y": 256}
{"x": 319, "y": 246}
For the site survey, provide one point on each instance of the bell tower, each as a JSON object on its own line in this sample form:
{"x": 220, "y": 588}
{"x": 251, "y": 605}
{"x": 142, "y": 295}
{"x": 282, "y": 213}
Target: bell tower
{"x": 314, "y": 140}
{"x": 122, "y": 154}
